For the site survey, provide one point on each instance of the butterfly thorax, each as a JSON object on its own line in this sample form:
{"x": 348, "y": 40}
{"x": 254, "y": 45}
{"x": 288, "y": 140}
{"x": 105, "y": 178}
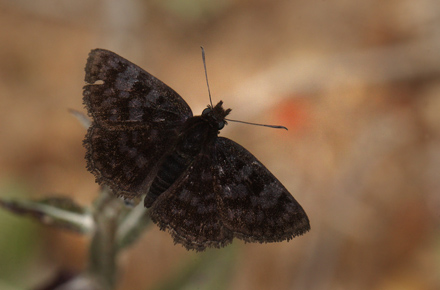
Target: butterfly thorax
{"x": 198, "y": 133}
{"x": 216, "y": 115}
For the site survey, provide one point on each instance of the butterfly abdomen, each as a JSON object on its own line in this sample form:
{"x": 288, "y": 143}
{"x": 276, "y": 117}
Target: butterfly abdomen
{"x": 172, "y": 167}
{"x": 188, "y": 146}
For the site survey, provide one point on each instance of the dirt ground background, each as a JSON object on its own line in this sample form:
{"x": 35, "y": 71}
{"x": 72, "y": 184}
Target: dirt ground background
{"x": 356, "y": 82}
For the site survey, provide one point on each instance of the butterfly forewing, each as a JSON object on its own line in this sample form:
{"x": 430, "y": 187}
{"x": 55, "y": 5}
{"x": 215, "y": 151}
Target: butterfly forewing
{"x": 128, "y": 96}
{"x": 252, "y": 202}
{"x": 135, "y": 119}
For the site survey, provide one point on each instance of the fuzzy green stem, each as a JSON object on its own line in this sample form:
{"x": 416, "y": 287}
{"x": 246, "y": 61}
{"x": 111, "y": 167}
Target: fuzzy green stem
{"x": 103, "y": 249}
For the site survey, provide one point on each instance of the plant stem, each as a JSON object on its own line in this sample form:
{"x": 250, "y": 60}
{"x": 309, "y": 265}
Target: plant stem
{"x": 103, "y": 249}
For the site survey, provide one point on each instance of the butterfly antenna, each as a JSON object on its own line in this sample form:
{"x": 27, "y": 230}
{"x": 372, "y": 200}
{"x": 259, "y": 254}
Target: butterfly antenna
{"x": 256, "y": 124}
{"x": 210, "y": 100}
{"x": 206, "y": 73}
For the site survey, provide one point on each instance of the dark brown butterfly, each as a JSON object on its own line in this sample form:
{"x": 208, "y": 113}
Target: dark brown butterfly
{"x": 204, "y": 189}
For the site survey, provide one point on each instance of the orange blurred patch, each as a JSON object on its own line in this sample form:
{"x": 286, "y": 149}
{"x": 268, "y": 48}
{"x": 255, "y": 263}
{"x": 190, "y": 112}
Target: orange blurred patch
{"x": 294, "y": 113}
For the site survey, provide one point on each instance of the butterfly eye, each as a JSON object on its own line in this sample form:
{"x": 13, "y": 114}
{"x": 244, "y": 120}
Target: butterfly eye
{"x": 206, "y": 111}
{"x": 220, "y": 125}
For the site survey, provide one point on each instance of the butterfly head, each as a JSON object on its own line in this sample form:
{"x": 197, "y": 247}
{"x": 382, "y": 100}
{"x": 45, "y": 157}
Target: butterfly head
{"x": 216, "y": 115}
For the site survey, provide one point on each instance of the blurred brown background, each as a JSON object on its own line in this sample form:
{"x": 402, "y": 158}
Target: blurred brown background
{"x": 356, "y": 82}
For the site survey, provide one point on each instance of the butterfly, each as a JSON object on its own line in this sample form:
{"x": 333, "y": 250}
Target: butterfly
{"x": 203, "y": 189}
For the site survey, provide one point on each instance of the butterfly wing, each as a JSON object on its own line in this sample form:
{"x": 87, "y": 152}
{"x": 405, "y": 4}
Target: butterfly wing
{"x": 252, "y": 203}
{"x": 135, "y": 116}
{"x": 188, "y": 209}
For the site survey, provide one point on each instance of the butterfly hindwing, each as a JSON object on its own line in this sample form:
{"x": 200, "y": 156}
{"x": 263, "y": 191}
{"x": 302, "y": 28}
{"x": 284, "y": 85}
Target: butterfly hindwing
{"x": 124, "y": 160}
{"x": 189, "y": 210}
{"x": 252, "y": 203}
{"x": 135, "y": 118}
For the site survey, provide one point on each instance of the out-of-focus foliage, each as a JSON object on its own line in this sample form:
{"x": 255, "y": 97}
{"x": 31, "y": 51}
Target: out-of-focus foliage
{"x": 356, "y": 82}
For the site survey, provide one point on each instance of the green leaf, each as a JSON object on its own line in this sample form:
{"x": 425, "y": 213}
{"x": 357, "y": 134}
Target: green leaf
{"x": 59, "y": 212}
{"x": 82, "y": 118}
